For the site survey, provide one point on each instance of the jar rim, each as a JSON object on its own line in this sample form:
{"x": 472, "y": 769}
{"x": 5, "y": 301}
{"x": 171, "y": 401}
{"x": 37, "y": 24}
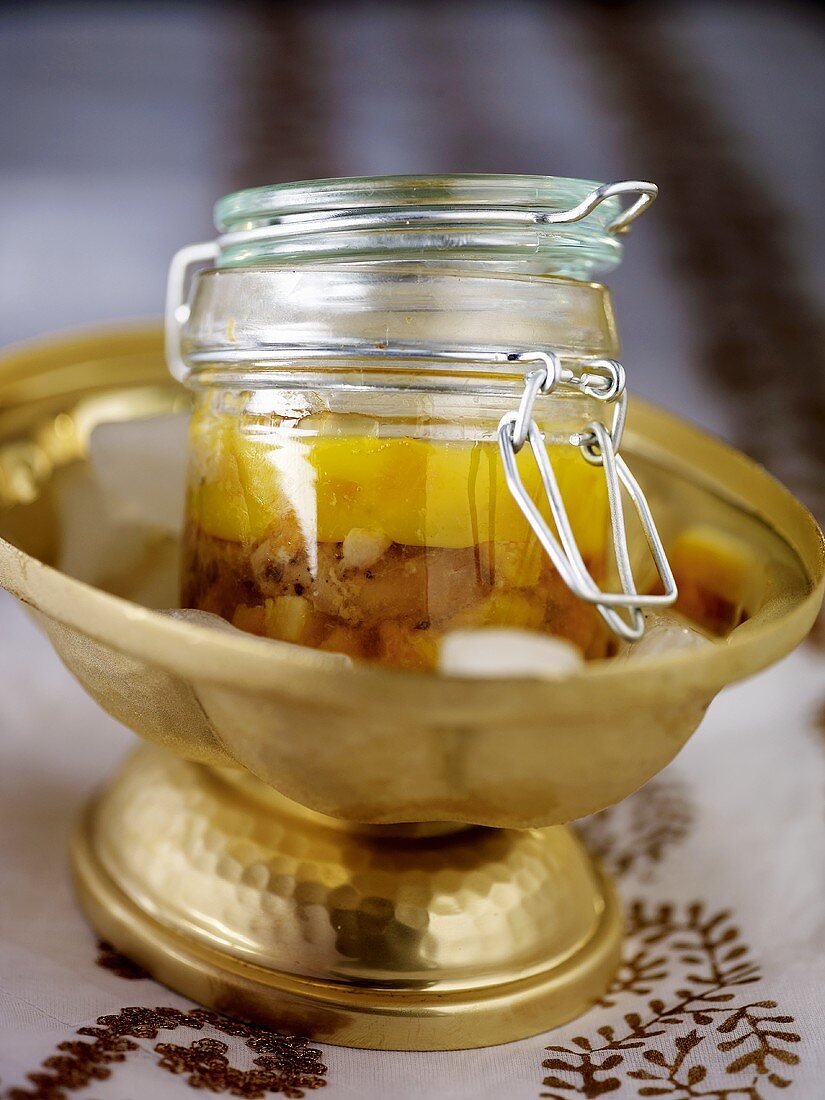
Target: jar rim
{"x": 451, "y": 188}
{"x": 422, "y": 218}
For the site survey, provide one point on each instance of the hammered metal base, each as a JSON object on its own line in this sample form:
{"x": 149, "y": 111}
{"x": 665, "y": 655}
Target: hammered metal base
{"x": 374, "y": 938}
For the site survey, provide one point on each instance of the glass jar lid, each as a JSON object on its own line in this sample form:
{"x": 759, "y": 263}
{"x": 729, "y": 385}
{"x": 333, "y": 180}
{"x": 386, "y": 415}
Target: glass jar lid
{"x": 543, "y": 225}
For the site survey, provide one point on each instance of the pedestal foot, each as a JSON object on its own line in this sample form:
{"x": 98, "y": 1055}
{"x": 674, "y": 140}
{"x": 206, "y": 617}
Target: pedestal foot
{"x": 253, "y": 906}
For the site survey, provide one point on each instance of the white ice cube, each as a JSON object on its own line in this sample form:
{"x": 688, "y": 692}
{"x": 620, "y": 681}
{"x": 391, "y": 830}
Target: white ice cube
{"x": 507, "y": 652}
{"x": 665, "y": 632}
{"x": 140, "y": 466}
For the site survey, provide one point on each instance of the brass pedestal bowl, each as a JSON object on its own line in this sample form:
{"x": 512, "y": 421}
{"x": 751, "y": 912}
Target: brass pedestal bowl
{"x": 378, "y": 858}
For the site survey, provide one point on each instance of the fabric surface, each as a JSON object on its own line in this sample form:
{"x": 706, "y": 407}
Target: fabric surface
{"x": 720, "y": 862}
{"x": 122, "y": 124}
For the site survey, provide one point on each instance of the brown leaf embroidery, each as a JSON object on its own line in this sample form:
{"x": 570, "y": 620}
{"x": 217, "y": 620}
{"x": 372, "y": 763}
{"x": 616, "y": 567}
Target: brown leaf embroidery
{"x": 636, "y": 834}
{"x": 284, "y": 1065}
{"x": 700, "y": 967}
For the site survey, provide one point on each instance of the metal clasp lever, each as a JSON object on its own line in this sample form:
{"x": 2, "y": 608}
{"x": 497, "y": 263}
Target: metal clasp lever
{"x": 603, "y": 379}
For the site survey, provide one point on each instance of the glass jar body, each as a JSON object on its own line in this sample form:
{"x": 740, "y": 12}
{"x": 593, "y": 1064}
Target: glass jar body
{"x": 353, "y": 498}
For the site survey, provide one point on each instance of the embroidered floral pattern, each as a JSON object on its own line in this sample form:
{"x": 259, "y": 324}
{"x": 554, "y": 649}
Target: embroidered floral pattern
{"x": 700, "y": 970}
{"x": 284, "y": 1065}
{"x": 636, "y": 834}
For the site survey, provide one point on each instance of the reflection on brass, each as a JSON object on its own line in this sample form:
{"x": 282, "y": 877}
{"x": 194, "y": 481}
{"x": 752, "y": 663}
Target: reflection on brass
{"x": 470, "y": 938}
{"x": 232, "y": 858}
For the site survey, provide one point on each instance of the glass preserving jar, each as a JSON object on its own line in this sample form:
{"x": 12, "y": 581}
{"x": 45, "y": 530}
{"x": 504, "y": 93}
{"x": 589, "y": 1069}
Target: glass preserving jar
{"x": 400, "y": 389}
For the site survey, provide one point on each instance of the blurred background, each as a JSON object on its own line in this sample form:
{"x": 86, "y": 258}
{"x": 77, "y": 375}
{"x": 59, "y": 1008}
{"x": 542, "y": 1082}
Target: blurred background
{"x": 122, "y": 123}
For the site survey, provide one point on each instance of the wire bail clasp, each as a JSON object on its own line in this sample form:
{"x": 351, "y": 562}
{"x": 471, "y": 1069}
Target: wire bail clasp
{"x": 604, "y": 380}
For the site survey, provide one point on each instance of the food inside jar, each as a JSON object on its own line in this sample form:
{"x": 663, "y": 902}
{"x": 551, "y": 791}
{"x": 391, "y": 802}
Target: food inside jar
{"x": 344, "y": 538}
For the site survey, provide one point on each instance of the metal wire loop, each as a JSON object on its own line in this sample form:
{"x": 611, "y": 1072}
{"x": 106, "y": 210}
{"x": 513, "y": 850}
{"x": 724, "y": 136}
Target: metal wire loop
{"x": 588, "y": 441}
{"x": 177, "y": 308}
{"x": 622, "y": 611}
{"x": 604, "y": 379}
{"x": 647, "y": 192}
{"x": 542, "y": 380}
